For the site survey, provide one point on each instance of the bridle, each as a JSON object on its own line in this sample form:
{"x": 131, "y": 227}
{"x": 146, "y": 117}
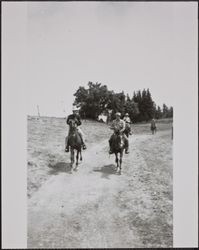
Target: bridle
{"x": 120, "y": 136}
{"x": 73, "y": 125}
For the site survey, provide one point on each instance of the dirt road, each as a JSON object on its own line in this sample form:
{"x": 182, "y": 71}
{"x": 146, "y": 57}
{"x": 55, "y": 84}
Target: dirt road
{"x": 96, "y": 208}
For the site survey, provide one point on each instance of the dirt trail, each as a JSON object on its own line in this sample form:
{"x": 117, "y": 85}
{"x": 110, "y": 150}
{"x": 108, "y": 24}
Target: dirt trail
{"x": 96, "y": 208}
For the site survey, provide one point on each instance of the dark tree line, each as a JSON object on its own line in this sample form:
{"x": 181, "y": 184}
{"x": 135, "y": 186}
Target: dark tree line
{"x": 97, "y": 99}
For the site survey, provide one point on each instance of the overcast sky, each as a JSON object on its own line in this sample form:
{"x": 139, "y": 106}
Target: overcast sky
{"x": 125, "y": 45}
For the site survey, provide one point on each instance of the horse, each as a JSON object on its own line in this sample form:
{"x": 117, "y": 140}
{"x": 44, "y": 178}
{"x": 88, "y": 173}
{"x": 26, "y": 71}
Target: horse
{"x": 118, "y": 146}
{"x": 127, "y": 130}
{"x": 75, "y": 143}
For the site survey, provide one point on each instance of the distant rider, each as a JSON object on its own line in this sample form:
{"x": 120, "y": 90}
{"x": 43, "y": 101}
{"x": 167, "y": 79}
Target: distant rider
{"x": 128, "y": 123}
{"x": 153, "y": 125}
{"x": 75, "y": 116}
{"x": 118, "y": 125}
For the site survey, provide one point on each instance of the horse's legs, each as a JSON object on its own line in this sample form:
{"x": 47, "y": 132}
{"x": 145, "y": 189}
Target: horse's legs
{"x": 80, "y": 152}
{"x": 117, "y": 160}
{"x": 72, "y": 156}
{"x": 77, "y": 158}
{"x": 121, "y": 155}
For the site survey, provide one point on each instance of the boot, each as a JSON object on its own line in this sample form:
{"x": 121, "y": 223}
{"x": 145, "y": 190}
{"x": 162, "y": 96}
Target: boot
{"x": 110, "y": 151}
{"x": 126, "y": 147}
{"x": 126, "y": 151}
{"x": 84, "y": 146}
{"x": 67, "y": 149}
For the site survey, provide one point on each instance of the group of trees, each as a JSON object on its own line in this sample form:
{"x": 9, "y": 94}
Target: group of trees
{"x": 97, "y": 99}
{"x": 165, "y": 112}
{"x": 147, "y": 107}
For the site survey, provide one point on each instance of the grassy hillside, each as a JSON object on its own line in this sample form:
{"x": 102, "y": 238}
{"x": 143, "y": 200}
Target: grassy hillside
{"x": 46, "y": 141}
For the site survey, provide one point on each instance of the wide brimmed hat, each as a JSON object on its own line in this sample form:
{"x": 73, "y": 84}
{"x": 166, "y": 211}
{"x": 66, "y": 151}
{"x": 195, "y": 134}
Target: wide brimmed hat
{"x": 118, "y": 114}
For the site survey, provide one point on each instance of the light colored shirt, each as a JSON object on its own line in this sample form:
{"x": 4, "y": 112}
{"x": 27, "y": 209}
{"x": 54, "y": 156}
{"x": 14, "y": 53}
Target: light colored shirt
{"x": 153, "y": 123}
{"x": 127, "y": 119}
{"x": 118, "y": 125}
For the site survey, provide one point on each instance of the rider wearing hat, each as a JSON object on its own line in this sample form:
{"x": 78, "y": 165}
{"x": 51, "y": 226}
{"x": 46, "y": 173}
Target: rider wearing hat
{"x": 118, "y": 125}
{"x": 128, "y": 122}
{"x": 153, "y": 124}
{"x": 75, "y": 116}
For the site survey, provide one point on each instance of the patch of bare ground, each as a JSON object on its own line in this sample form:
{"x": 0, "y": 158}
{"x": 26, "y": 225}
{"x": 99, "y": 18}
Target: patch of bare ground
{"x": 151, "y": 189}
{"x": 45, "y": 146}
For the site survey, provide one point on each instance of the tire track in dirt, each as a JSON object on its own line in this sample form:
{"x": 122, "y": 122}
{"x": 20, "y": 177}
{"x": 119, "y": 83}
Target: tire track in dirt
{"x": 93, "y": 207}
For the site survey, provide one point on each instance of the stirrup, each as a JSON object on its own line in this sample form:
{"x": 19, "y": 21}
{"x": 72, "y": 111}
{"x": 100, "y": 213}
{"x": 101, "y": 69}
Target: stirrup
{"x": 84, "y": 146}
{"x": 126, "y": 151}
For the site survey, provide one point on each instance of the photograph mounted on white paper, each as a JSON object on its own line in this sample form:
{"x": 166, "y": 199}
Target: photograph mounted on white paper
{"x": 100, "y": 124}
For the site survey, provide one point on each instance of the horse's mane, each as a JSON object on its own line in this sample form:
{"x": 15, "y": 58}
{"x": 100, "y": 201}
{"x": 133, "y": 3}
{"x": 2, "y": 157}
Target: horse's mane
{"x": 73, "y": 125}
{"x": 116, "y": 142}
{"x": 74, "y": 137}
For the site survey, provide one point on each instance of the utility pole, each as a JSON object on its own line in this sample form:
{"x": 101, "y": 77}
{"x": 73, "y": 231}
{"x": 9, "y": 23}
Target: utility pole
{"x": 38, "y": 110}
{"x": 64, "y": 110}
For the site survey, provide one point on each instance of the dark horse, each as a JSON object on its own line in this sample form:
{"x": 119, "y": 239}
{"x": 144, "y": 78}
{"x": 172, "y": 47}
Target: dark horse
{"x": 75, "y": 143}
{"x": 127, "y": 130}
{"x": 118, "y": 146}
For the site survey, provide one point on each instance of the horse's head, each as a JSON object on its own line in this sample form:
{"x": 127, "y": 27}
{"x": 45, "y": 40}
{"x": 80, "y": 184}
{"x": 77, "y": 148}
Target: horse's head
{"x": 117, "y": 131}
{"x": 119, "y": 140}
{"x": 72, "y": 124}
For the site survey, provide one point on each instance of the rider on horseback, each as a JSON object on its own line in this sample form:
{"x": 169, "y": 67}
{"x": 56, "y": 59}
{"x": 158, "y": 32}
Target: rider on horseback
{"x": 75, "y": 116}
{"x": 118, "y": 125}
{"x": 153, "y": 126}
{"x": 128, "y": 122}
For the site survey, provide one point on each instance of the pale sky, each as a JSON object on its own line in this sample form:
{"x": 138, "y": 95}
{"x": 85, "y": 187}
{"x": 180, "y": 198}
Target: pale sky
{"x": 126, "y": 45}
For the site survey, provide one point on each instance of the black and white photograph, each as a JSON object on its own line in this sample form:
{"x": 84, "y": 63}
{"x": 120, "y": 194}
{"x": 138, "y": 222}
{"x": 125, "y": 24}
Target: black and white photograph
{"x": 101, "y": 98}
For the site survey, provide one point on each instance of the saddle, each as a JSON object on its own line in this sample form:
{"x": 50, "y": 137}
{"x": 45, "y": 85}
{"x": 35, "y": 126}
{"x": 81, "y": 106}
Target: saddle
{"x": 115, "y": 136}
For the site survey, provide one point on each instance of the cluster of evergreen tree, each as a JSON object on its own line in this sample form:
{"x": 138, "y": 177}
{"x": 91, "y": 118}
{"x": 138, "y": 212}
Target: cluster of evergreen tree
{"x": 165, "y": 113}
{"x": 97, "y": 99}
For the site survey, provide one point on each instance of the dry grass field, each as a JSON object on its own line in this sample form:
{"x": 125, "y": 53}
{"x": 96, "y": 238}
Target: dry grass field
{"x": 94, "y": 207}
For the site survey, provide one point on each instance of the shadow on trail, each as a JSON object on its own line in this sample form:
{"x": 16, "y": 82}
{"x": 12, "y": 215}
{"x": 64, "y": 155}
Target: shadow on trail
{"x": 107, "y": 170}
{"x": 59, "y": 167}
